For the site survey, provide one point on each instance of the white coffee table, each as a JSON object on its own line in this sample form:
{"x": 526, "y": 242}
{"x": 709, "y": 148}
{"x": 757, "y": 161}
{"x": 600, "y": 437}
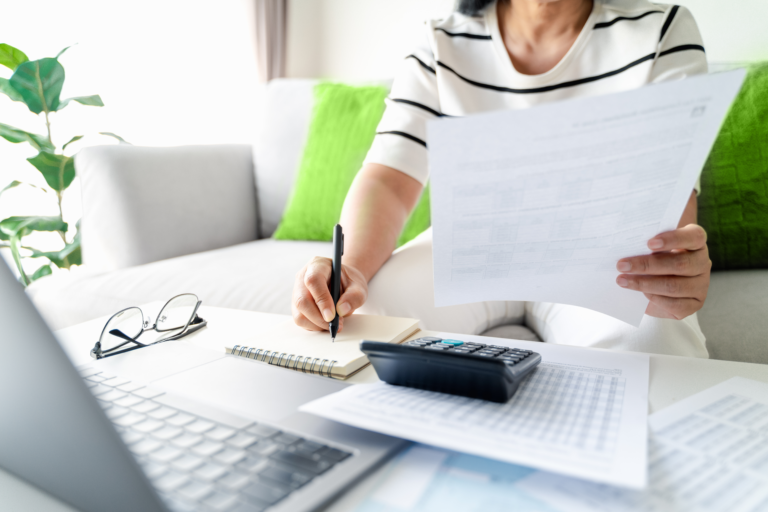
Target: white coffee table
{"x": 672, "y": 379}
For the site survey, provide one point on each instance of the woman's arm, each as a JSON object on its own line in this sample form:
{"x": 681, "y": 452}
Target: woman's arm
{"x": 374, "y": 213}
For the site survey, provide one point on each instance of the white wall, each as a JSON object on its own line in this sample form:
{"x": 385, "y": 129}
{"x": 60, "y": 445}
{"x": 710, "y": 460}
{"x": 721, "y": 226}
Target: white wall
{"x": 365, "y": 39}
{"x": 356, "y": 40}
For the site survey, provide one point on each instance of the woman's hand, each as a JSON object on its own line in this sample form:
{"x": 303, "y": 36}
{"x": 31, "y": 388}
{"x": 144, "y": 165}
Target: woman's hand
{"x": 675, "y": 278}
{"x": 312, "y": 303}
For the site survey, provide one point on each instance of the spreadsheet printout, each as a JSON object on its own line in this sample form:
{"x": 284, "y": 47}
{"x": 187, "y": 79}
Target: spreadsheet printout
{"x": 707, "y": 453}
{"x": 580, "y": 413}
{"x": 540, "y": 204}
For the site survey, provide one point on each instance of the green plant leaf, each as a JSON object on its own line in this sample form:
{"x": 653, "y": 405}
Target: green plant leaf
{"x": 93, "y": 101}
{"x": 115, "y": 136}
{"x": 58, "y": 170}
{"x": 8, "y": 90}
{"x": 73, "y": 139}
{"x": 13, "y": 225}
{"x": 65, "y": 258}
{"x": 15, "y": 243}
{"x": 11, "y": 57}
{"x": 14, "y": 135}
{"x": 39, "y": 82}
{"x": 62, "y": 51}
{"x": 43, "y": 271}
{"x": 11, "y": 185}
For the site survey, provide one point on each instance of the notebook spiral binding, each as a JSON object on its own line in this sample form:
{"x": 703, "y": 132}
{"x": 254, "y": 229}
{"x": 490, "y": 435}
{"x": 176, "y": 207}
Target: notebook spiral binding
{"x": 290, "y": 362}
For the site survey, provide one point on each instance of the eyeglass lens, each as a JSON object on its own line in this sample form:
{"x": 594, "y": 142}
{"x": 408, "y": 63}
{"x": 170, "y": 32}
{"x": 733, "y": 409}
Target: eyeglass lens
{"x": 130, "y": 322}
{"x": 176, "y": 313}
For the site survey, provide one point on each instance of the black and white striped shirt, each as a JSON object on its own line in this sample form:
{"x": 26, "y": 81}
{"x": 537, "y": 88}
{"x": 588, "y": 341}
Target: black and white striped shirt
{"x": 464, "y": 68}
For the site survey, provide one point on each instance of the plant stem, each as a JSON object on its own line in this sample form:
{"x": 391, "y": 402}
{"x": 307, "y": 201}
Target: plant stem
{"x": 48, "y": 127}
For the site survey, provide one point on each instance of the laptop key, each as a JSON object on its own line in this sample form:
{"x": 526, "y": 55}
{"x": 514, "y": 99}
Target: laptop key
{"x": 200, "y": 426}
{"x": 242, "y": 440}
{"x": 220, "y": 501}
{"x": 154, "y": 470}
{"x": 305, "y": 463}
{"x": 334, "y": 454}
{"x": 211, "y": 472}
{"x": 146, "y": 446}
{"x": 195, "y": 490}
{"x": 249, "y": 507}
{"x": 262, "y": 431}
{"x": 145, "y": 406}
{"x": 187, "y": 440}
{"x": 148, "y": 425}
{"x": 112, "y": 395}
{"x": 115, "y": 412}
{"x": 220, "y": 433}
{"x": 163, "y": 413}
{"x": 253, "y": 463}
{"x": 234, "y": 481}
{"x": 287, "y": 439}
{"x": 208, "y": 448}
{"x": 130, "y": 437}
{"x": 230, "y": 456}
{"x": 268, "y": 493}
{"x": 171, "y": 481}
{"x": 167, "y": 432}
{"x": 265, "y": 448}
{"x": 180, "y": 419}
{"x": 187, "y": 463}
{"x": 167, "y": 454}
{"x": 128, "y": 401}
{"x": 129, "y": 419}
{"x": 286, "y": 475}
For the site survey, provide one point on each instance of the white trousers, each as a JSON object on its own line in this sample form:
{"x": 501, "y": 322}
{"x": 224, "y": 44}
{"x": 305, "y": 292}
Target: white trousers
{"x": 405, "y": 287}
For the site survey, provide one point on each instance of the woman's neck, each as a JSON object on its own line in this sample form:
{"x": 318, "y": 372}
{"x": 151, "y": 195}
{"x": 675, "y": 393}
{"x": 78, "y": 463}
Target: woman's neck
{"x": 538, "y": 33}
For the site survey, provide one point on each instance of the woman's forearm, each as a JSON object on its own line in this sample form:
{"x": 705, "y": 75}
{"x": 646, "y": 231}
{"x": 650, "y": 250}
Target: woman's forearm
{"x": 375, "y": 210}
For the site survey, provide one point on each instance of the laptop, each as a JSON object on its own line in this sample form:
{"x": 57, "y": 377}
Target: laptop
{"x": 101, "y": 441}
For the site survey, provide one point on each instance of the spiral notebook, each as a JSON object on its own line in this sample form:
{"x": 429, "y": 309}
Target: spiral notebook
{"x": 292, "y": 347}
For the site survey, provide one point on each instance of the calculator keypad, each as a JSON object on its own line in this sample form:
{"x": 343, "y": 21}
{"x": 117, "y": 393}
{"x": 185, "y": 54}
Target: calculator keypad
{"x": 510, "y": 356}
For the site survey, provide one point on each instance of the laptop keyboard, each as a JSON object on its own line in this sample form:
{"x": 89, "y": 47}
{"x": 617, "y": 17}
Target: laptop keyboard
{"x": 200, "y": 464}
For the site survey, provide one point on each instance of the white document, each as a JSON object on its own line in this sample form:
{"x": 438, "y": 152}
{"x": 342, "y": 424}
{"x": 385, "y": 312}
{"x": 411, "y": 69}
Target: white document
{"x": 581, "y": 413}
{"x": 708, "y": 453}
{"x": 540, "y": 204}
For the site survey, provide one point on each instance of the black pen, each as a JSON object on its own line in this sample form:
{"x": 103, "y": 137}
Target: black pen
{"x": 338, "y": 250}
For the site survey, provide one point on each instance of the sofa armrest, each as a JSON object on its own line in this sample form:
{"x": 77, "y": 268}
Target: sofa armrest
{"x": 143, "y": 204}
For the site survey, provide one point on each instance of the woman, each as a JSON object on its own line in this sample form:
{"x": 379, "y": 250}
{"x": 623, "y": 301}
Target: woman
{"x": 512, "y": 54}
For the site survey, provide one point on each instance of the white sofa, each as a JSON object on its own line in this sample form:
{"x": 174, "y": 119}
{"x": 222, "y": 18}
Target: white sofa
{"x": 161, "y": 221}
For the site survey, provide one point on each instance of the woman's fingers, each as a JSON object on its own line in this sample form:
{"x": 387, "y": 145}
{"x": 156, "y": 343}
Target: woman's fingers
{"x": 668, "y": 286}
{"x": 681, "y": 263}
{"x": 691, "y": 237}
{"x": 355, "y": 291}
{"x": 316, "y": 280}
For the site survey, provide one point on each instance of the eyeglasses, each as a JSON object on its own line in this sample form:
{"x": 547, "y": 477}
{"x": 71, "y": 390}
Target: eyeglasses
{"x": 124, "y": 327}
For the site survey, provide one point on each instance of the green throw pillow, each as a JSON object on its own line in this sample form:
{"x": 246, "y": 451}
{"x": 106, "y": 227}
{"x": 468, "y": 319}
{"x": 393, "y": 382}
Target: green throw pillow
{"x": 343, "y": 125}
{"x": 733, "y": 205}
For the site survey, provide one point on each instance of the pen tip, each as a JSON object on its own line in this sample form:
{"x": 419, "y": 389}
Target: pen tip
{"x": 333, "y": 339}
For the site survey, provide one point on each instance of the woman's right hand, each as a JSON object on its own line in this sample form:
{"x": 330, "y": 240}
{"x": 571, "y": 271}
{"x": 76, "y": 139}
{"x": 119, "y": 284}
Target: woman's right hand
{"x": 312, "y": 304}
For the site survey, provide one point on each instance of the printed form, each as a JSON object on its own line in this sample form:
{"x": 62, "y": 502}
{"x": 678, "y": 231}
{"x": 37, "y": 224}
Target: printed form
{"x": 540, "y": 204}
{"x": 582, "y": 413}
{"x": 708, "y": 452}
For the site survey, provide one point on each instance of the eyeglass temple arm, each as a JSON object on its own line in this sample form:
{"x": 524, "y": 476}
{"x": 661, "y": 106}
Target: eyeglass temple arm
{"x": 120, "y": 334}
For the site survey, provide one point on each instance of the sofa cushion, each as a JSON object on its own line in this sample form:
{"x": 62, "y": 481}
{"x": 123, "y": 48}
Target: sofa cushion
{"x": 733, "y": 205}
{"x": 255, "y": 276}
{"x": 282, "y": 133}
{"x": 343, "y": 126}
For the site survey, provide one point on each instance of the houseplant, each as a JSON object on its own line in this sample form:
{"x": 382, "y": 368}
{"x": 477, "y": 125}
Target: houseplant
{"x": 38, "y": 84}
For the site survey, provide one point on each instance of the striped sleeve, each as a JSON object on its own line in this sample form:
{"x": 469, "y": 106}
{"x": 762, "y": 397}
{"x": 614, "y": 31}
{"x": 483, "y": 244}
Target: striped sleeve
{"x": 681, "y": 52}
{"x": 401, "y": 136}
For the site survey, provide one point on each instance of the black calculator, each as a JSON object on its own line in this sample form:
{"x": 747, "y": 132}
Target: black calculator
{"x": 465, "y": 368}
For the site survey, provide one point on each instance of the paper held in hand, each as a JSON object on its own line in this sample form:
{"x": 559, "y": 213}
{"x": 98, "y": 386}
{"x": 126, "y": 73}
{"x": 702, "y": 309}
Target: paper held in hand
{"x": 540, "y": 204}
{"x": 292, "y": 347}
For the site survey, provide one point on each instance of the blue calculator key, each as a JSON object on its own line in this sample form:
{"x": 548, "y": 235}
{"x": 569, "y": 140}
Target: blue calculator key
{"x": 455, "y": 343}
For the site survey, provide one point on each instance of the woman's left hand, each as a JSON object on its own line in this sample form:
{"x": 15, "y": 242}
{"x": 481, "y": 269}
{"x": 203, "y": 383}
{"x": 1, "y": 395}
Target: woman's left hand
{"x": 675, "y": 278}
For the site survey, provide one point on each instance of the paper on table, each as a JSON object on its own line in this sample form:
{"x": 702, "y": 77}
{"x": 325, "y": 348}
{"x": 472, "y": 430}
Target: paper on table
{"x": 708, "y": 452}
{"x": 539, "y": 204}
{"x": 581, "y": 413}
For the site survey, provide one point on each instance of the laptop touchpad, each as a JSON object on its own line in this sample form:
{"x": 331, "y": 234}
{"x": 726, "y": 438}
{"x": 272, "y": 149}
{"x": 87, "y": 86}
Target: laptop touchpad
{"x": 254, "y": 389}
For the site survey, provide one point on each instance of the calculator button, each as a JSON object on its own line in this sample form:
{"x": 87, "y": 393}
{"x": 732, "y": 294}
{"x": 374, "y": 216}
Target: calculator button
{"x": 431, "y": 339}
{"x": 438, "y": 347}
{"x": 498, "y": 346}
{"x": 484, "y": 354}
{"x": 462, "y": 351}
{"x": 454, "y": 343}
